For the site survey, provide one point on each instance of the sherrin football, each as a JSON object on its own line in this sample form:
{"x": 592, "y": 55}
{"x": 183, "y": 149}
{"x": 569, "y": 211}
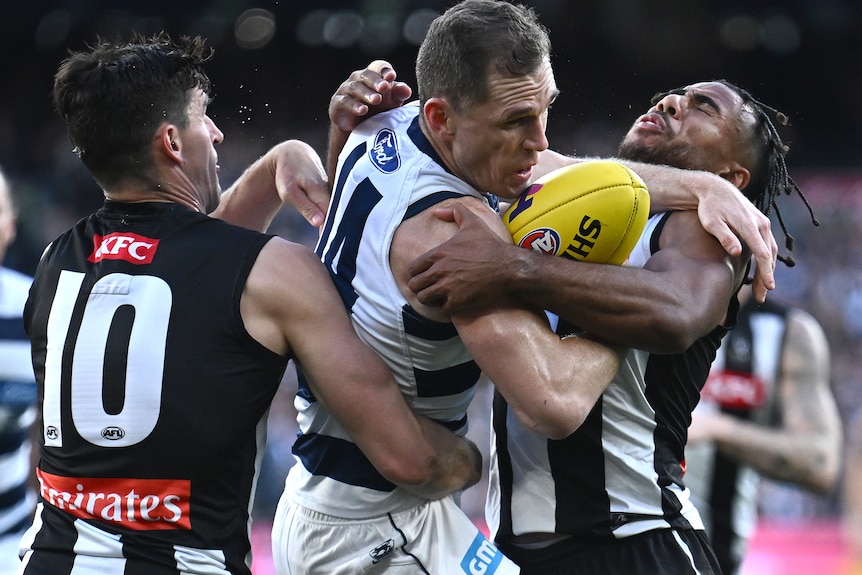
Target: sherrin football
{"x": 593, "y": 211}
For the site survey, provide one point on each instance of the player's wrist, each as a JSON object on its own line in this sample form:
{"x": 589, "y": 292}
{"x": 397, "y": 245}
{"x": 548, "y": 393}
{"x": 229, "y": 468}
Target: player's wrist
{"x": 521, "y": 271}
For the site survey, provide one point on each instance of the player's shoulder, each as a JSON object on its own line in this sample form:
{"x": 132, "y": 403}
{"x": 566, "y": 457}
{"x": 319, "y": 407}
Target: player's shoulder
{"x": 683, "y": 229}
{"x": 286, "y": 266}
{"x": 393, "y": 120}
{"x": 281, "y": 252}
{"x": 434, "y": 229}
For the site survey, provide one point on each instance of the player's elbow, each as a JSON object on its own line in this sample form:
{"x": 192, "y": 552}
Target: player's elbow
{"x": 561, "y": 430}
{"x": 815, "y": 464}
{"x": 430, "y": 477}
{"x": 675, "y": 334}
{"x": 554, "y": 418}
{"x": 409, "y": 470}
{"x": 824, "y": 482}
{"x": 825, "y": 475}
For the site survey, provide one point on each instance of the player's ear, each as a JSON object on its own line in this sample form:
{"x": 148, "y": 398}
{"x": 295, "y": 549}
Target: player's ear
{"x": 168, "y": 139}
{"x": 736, "y": 175}
{"x": 438, "y": 117}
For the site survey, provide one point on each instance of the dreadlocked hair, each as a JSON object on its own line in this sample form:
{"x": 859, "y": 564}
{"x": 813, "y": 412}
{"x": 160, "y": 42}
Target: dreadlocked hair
{"x": 771, "y": 178}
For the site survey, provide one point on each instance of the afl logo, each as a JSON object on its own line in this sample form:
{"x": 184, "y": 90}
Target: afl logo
{"x": 545, "y": 240}
{"x": 382, "y": 551}
{"x": 52, "y": 432}
{"x": 384, "y": 154}
{"x": 113, "y": 433}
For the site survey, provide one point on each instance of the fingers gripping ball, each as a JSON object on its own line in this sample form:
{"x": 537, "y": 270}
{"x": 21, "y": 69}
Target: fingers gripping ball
{"x": 593, "y": 211}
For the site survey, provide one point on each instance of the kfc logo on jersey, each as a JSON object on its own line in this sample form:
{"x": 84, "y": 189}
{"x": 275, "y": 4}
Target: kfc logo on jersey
{"x": 139, "y": 504}
{"x": 735, "y": 390}
{"x": 128, "y": 247}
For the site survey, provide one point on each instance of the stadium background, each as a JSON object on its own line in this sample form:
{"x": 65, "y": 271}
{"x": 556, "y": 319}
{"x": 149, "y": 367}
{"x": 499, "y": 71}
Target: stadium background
{"x": 278, "y": 61}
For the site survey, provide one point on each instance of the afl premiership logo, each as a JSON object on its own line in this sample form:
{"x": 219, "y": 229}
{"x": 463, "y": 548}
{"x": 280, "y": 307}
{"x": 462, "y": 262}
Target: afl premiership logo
{"x": 545, "y": 240}
{"x": 113, "y": 433}
{"x": 384, "y": 154}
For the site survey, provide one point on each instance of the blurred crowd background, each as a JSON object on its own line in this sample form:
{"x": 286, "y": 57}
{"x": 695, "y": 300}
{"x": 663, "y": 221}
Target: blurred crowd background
{"x": 278, "y": 61}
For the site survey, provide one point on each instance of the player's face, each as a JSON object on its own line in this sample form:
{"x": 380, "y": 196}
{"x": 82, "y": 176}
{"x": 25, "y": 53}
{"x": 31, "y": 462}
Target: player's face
{"x": 496, "y": 144}
{"x": 698, "y": 127}
{"x": 200, "y": 137}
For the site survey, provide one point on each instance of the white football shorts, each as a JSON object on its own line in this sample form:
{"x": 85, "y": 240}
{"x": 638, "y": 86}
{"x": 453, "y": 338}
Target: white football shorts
{"x": 435, "y": 538}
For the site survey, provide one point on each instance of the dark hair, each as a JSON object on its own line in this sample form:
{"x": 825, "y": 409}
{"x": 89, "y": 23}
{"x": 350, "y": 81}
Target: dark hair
{"x": 769, "y": 175}
{"x": 768, "y": 167}
{"x": 468, "y": 39}
{"x": 115, "y": 95}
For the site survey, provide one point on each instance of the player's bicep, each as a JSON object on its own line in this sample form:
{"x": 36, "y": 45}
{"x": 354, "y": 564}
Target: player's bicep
{"x": 807, "y": 401}
{"x": 550, "y": 384}
{"x": 291, "y": 306}
{"x": 701, "y": 276}
{"x": 343, "y": 371}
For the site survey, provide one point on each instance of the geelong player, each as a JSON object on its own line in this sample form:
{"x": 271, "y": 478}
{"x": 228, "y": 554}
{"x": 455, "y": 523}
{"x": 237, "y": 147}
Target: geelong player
{"x": 485, "y": 84}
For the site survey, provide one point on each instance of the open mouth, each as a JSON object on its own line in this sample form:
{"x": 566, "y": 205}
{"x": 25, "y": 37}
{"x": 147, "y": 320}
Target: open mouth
{"x": 651, "y": 121}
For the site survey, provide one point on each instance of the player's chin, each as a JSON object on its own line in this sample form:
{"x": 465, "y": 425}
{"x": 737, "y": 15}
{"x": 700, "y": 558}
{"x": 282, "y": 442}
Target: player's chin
{"x": 639, "y": 144}
{"x": 515, "y": 185}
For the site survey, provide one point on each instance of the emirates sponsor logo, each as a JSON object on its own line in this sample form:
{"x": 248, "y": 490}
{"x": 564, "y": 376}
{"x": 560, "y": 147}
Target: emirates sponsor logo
{"x": 139, "y": 504}
{"x": 128, "y": 247}
{"x": 735, "y": 390}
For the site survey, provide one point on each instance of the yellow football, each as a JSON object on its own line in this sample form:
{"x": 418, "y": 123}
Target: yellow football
{"x": 593, "y": 211}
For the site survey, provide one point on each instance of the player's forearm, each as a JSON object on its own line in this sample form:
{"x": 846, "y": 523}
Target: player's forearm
{"x": 568, "y": 392}
{"x": 805, "y": 459}
{"x": 550, "y": 384}
{"x": 253, "y": 200}
{"x": 453, "y": 464}
{"x": 290, "y": 173}
{"x": 670, "y": 188}
{"x": 674, "y": 188}
{"x": 631, "y": 309}
{"x": 337, "y": 139}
